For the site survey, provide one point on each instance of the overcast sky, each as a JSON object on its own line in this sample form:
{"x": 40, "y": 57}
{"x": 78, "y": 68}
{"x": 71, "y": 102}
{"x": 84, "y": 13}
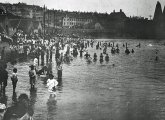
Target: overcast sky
{"x": 142, "y": 8}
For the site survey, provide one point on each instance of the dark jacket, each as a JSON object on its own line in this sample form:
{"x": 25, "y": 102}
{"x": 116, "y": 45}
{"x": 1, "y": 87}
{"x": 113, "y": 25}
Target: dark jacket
{"x": 3, "y": 76}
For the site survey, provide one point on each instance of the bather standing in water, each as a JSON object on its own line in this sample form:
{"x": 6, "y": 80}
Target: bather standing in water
{"x": 86, "y": 55}
{"x": 52, "y": 84}
{"x": 32, "y": 76}
{"x": 89, "y": 59}
{"x": 101, "y": 57}
{"x": 107, "y": 57}
{"x": 95, "y": 57}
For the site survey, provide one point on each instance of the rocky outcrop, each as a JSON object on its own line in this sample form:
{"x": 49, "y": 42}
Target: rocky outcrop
{"x": 158, "y": 12}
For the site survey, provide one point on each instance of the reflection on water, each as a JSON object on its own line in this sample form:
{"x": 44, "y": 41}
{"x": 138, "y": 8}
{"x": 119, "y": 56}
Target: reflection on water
{"x": 51, "y": 106}
{"x": 33, "y": 96}
{"x": 128, "y": 87}
{"x": 3, "y": 97}
{"x": 14, "y": 97}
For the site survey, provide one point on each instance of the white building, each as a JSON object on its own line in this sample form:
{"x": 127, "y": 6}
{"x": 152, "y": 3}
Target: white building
{"x": 73, "y": 21}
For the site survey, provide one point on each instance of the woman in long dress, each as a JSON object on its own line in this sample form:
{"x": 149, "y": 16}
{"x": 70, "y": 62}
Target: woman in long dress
{"x": 52, "y": 85}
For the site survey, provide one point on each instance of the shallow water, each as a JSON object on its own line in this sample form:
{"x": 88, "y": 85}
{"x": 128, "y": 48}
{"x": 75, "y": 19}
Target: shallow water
{"x": 132, "y": 89}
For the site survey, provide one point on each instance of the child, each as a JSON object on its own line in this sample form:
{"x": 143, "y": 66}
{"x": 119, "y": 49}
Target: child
{"x": 32, "y": 75}
{"x": 59, "y": 72}
{"x": 35, "y": 63}
{"x": 51, "y": 84}
{"x": 2, "y": 110}
{"x": 14, "y": 79}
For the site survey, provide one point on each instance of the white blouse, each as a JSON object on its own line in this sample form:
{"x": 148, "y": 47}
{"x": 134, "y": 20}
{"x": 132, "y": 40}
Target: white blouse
{"x": 51, "y": 83}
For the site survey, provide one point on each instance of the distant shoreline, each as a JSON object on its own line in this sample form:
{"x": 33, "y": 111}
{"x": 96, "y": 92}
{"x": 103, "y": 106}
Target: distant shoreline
{"x": 127, "y": 38}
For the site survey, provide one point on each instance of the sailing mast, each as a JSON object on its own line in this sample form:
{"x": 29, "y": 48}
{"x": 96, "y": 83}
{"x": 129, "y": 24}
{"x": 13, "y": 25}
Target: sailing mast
{"x": 54, "y": 18}
{"x": 44, "y": 23}
{"x": 48, "y": 19}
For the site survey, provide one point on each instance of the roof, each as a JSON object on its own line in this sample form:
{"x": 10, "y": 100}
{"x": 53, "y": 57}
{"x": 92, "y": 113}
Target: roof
{"x": 118, "y": 15}
{"x": 78, "y": 15}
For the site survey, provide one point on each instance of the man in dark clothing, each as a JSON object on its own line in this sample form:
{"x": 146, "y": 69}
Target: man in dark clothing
{"x": 51, "y": 53}
{"x": 47, "y": 55}
{"x": 3, "y": 75}
{"x": 3, "y": 78}
{"x": 3, "y": 53}
{"x": 42, "y": 57}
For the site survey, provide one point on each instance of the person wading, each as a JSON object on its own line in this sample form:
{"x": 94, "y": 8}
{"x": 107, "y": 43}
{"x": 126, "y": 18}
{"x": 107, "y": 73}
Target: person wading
{"x": 32, "y": 75}
{"x": 14, "y": 79}
{"x": 52, "y": 84}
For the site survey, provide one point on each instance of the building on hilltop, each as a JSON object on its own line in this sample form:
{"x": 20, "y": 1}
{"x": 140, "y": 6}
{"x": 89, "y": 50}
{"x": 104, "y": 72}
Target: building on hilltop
{"x": 74, "y": 21}
{"x": 118, "y": 15}
{"x": 114, "y": 22}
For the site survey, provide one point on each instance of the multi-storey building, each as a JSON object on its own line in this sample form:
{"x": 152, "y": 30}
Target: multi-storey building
{"x": 75, "y": 21}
